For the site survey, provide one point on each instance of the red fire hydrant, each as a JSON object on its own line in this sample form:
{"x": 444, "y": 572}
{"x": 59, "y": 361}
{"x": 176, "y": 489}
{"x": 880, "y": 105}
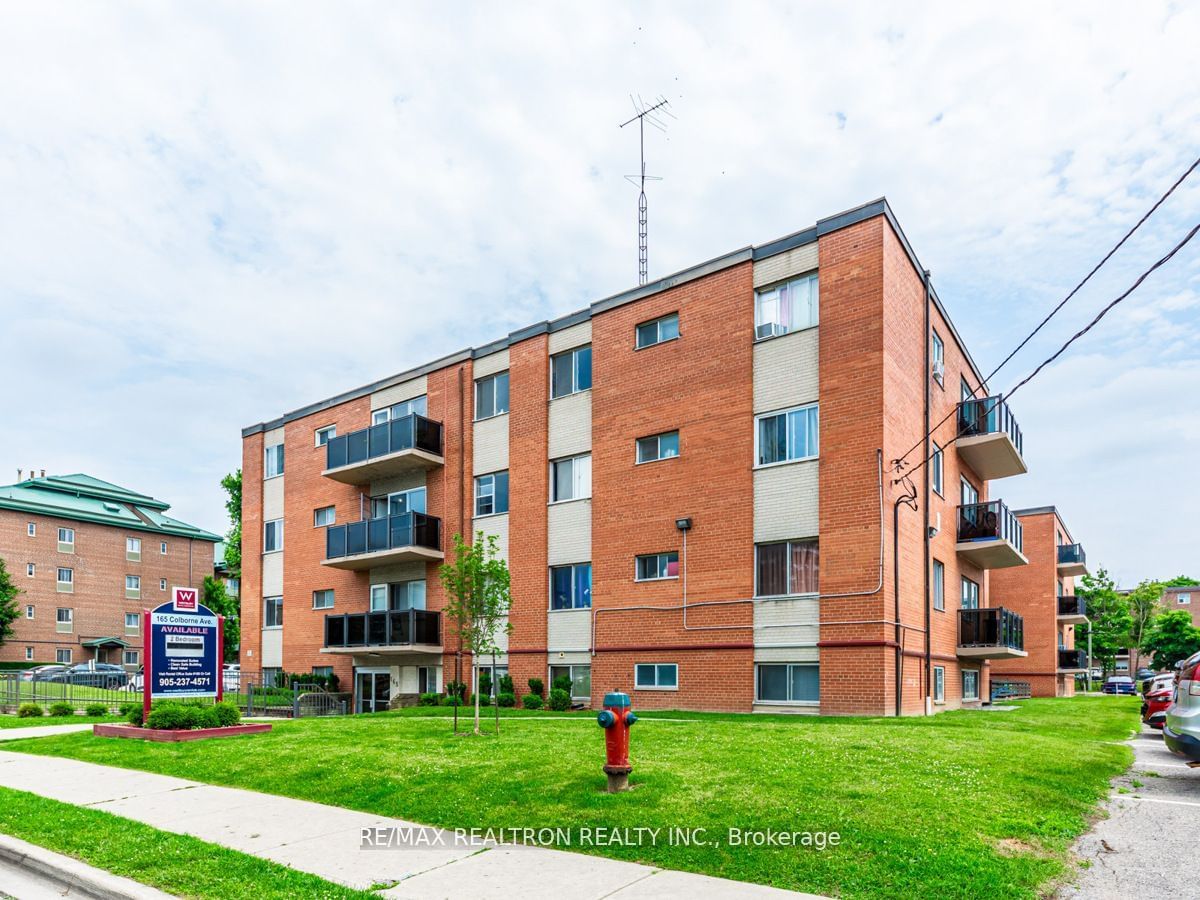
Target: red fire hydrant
{"x": 616, "y": 719}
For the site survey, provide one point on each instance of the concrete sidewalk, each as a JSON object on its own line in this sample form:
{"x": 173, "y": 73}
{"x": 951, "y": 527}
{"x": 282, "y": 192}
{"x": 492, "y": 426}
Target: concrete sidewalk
{"x": 326, "y": 840}
{"x": 36, "y": 731}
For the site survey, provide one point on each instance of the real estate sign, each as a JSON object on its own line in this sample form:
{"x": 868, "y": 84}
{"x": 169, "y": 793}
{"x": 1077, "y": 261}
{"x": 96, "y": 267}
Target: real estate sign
{"x": 182, "y": 648}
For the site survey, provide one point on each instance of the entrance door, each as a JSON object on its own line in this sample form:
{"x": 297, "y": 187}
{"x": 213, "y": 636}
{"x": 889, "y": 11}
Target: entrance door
{"x": 373, "y": 689}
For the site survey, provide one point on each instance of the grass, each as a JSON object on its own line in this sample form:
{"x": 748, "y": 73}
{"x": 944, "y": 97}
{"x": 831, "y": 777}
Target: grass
{"x": 180, "y": 865}
{"x": 964, "y": 803}
{"x": 12, "y": 721}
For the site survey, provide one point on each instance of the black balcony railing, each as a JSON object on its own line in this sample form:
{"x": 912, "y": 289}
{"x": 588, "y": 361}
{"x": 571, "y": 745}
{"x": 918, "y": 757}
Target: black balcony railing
{"x": 411, "y": 529}
{"x": 411, "y": 432}
{"x": 1072, "y": 659}
{"x": 988, "y": 522}
{"x": 988, "y": 415}
{"x": 1071, "y": 553}
{"x": 1072, "y": 606}
{"x": 384, "y": 629}
{"x": 992, "y": 626}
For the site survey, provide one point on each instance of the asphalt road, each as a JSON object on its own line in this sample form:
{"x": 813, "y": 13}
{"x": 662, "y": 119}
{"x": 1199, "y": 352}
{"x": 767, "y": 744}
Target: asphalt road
{"x": 1146, "y": 848}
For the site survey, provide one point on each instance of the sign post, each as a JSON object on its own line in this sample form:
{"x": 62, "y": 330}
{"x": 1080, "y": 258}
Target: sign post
{"x": 182, "y": 647}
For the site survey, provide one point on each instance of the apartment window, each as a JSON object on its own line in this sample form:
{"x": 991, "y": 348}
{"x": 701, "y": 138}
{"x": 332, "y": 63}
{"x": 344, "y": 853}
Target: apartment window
{"x": 379, "y": 598}
{"x": 965, "y": 391}
{"x": 162, "y": 548}
{"x": 132, "y": 621}
{"x": 787, "y": 683}
{"x": 324, "y": 435}
{"x": 571, "y": 479}
{"x": 28, "y": 653}
{"x": 272, "y": 535}
{"x": 491, "y": 396}
{"x": 968, "y": 494}
{"x": 658, "y": 331}
{"x": 657, "y": 566}
{"x": 581, "y": 680}
{"x": 970, "y": 678}
{"x": 656, "y": 676}
{"x": 66, "y": 540}
{"x": 326, "y": 515}
{"x": 936, "y": 469}
{"x": 939, "y": 359}
{"x": 1059, "y": 591}
{"x": 273, "y": 464}
{"x": 415, "y": 406}
{"x": 1185, "y": 599}
{"x": 970, "y": 594}
{"x": 63, "y": 656}
{"x": 398, "y": 596}
{"x": 323, "y": 599}
{"x": 30, "y": 569}
{"x": 272, "y": 612}
{"x": 787, "y": 568}
{"x": 322, "y": 671}
{"x": 491, "y": 494}
{"x": 658, "y": 446}
{"x": 571, "y": 372}
{"x": 66, "y": 579}
{"x": 133, "y": 585}
{"x": 939, "y": 585}
{"x": 31, "y": 529}
{"x": 64, "y": 616}
{"x": 787, "y": 435}
{"x": 786, "y": 307}
{"x": 129, "y": 657}
{"x": 571, "y": 586}
{"x": 29, "y": 611}
{"x": 939, "y": 684}
{"x": 162, "y": 584}
{"x": 133, "y": 549}
{"x": 394, "y": 504}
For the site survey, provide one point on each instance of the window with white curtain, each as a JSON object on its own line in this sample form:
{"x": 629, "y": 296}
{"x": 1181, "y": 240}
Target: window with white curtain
{"x": 785, "y": 307}
{"x": 787, "y": 568}
{"x": 571, "y": 479}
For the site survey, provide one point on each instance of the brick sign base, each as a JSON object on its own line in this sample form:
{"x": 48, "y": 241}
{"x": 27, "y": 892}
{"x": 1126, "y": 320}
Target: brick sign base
{"x": 171, "y": 734}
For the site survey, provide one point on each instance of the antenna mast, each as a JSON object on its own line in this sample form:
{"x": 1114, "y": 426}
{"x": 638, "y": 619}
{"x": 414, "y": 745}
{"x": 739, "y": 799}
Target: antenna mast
{"x": 653, "y": 114}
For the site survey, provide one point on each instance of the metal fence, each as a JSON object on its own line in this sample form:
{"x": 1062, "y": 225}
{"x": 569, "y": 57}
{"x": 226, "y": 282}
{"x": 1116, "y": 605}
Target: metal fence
{"x": 79, "y": 690}
{"x": 263, "y": 695}
{"x": 1010, "y": 690}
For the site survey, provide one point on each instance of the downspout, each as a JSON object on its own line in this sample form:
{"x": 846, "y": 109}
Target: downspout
{"x": 908, "y": 498}
{"x": 926, "y": 379}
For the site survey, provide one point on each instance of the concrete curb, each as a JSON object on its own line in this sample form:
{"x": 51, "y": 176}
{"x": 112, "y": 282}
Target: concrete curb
{"x": 78, "y": 878}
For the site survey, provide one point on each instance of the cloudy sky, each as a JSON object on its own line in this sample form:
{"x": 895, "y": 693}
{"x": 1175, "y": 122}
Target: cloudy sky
{"x": 203, "y": 202}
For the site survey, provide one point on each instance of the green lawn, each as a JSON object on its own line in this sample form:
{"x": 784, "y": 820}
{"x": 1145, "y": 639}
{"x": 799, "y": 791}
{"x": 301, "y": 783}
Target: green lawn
{"x": 964, "y": 803}
{"x": 12, "y": 721}
{"x": 180, "y": 865}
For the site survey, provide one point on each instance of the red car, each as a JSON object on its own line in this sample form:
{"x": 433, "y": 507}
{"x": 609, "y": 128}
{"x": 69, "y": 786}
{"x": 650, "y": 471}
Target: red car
{"x": 1157, "y": 698}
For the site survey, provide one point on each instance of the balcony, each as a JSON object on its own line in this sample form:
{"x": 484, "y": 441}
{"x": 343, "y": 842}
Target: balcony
{"x": 1072, "y": 660}
{"x": 1072, "y": 560}
{"x": 374, "y": 632}
{"x": 990, "y": 633}
{"x": 389, "y": 448}
{"x": 406, "y": 537}
{"x": 1072, "y": 610}
{"x": 989, "y": 438}
{"x": 989, "y": 536}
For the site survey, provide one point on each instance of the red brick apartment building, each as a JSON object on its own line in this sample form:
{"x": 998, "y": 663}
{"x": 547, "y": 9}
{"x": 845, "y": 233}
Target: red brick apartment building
{"x": 89, "y": 556}
{"x": 1043, "y": 593}
{"x": 651, "y": 468}
{"x": 1185, "y": 598}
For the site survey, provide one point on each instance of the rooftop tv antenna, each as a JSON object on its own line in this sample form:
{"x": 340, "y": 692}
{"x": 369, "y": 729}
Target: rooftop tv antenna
{"x": 652, "y": 113}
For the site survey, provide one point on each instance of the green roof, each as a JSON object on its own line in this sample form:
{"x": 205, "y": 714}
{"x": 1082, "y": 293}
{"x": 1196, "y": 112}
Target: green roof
{"x": 87, "y": 499}
{"x": 104, "y": 642}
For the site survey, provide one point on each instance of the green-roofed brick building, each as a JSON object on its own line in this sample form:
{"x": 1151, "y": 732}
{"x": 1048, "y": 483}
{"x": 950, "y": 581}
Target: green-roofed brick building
{"x": 89, "y": 557}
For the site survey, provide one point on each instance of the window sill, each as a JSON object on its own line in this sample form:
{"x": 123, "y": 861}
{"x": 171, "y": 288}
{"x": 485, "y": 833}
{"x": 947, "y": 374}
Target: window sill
{"x": 785, "y": 462}
{"x": 642, "y": 687}
{"x": 670, "y": 340}
{"x": 811, "y": 595}
{"x": 493, "y": 515}
{"x": 321, "y": 608}
{"x": 492, "y": 416}
{"x": 572, "y": 394}
{"x": 272, "y": 552}
{"x": 272, "y": 477}
{"x": 652, "y": 580}
{"x": 646, "y": 462}
{"x": 786, "y": 703}
{"x": 570, "y": 500}
{"x": 272, "y": 628}
{"x": 567, "y": 609}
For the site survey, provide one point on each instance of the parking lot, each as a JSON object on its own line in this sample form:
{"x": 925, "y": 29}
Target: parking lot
{"x": 1146, "y": 846}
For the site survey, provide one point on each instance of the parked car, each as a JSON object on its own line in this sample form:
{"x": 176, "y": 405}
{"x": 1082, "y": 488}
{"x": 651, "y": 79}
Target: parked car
{"x": 135, "y": 681}
{"x": 94, "y": 674}
{"x": 231, "y": 677}
{"x": 1181, "y": 732}
{"x": 1156, "y": 699}
{"x": 1097, "y": 674}
{"x": 41, "y": 673}
{"x": 1119, "y": 684}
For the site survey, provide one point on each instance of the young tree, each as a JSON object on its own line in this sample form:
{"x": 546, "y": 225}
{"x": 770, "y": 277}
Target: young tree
{"x": 8, "y": 603}
{"x": 1171, "y": 638}
{"x": 1181, "y": 581}
{"x": 216, "y": 598}
{"x": 232, "y": 483}
{"x": 1144, "y": 604}
{"x": 477, "y": 597}
{"x": 1108, "y": 618}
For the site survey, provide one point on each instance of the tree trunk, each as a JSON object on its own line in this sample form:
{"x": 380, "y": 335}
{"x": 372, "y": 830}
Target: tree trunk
{"x": 475, "y": 667}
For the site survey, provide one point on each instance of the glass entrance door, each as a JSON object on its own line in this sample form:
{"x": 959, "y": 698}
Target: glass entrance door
{"x": 373, "y": 690}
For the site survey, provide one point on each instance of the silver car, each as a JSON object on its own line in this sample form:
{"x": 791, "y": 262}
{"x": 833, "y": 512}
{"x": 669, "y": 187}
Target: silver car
{"x": 1182, "y": 730}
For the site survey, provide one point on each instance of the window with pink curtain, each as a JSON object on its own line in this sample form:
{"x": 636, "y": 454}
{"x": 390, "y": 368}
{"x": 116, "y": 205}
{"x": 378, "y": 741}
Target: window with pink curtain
{"x": 787, "y": 568}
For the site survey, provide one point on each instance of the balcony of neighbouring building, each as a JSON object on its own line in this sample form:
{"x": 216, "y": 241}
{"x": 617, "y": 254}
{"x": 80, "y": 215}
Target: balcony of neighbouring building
{"x": 389, "y": 448}
{"x": 381, "y": 633}
{"x": 405, "y": 537}
{"x": 1072, "y": 561}
{"x": 989, "y": 438}
{"x": 1072, "y": 660}
{"x": 990, "y": 633}
{"x": 1072, "y": 610}
{"x": 989, "y": 535}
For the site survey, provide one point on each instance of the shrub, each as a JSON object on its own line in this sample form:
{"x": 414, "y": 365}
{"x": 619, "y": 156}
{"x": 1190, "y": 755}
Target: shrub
{"x": 457, "y": 688}
{"x": 208, "y": 717}
{"x": 531, "y": 701}
{"x": 227, "y": 714}
{"x": 134, "y": 716}
{"x": 96, "y": 709}
{"x": 560, "y": 700}
{"x": 561, "y": 683}
{"x": 61, "y": 709}
{"x": 448, "y": 700}
{"x": 536, "y": 686}
{"x": 506, "y": 698}
{"x": 506, "y": 684}
{"x": 485, "y": 699}
{"x": 125, "y": 708}
{"x": 485, "y": 682}
{"x": 30, "y": 711}
{"x": 427, "y": 700}
{"x": 168, "y": 716}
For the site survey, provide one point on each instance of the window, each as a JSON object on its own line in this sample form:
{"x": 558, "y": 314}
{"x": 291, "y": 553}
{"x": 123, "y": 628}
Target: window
{"x": 64, "y": 616}
{"x": 31, "y": 529}
{"x": 786, "y": 307}
{"x": 491, "y": 396}
{"x": 132, "y": 621}
{"x": 939, "y": 585}
{"x": 658, "y": 331}
{"x": 326, "y": 515}
{"x": 272, "y": 677}
{"x": 62, "y": 655}
{"x": 1185, "y": 599}
{"x": 571, "y": 479}
{"x": 29, "y": 611}
{"x": 379, "y": 597}
{"x": 787, "y": 435}
{"x": 162, "y": 584}
{"x": 936, "y": 469}
{"x": 969, "y": 496}
{"x": 571, "y": 372}
{"x": 417, "y": 405}
{"x": 273, "y": 464}
{"x": 28, "y": 653}
{"x": 162, "y": 548}
{"x": 323, "y": 599}
{"x": 66, "y": 539}
{"x": 30, "y": 569}
{"x": 412, "y": 500}
{"x": 272, "y": 612}
{"x": 322, "y": 671}
{"x": 965, "y": 391}
{"x": 494, "y": 674}
{"x": 657, "y": 566}
{"x": 491, "y": 494}
{"x": 787, "y": 568}
{"x": 581, "y": 680}
{"x": 658, "y": 446}
{"x": 788, "y": 683}
{"x": 398, "y": 596}
{"x": 656, "y": 676}
{"x": 66, "y": 579}
{"x": 571, "y": 586}
{"x": 133, "y": 584}
{"x": 939, "y": 684}
{"x": 324, "y": 435}
{"x": 939, "y": 359}
{"x": 133, "y": 548}
{"x": 272, "y": 535}
{"x": 129, "y": 657}
{"x": 970, "y": 684}
{"x": 970, "y": 594}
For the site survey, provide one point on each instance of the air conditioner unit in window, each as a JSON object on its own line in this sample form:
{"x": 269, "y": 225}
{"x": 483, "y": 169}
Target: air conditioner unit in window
{"x": 769, "y": 329}
{"x": 939, "y": 369}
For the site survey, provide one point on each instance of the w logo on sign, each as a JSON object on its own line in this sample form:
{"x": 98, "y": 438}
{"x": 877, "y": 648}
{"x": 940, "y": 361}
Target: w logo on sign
{"x": 185, "y": 599}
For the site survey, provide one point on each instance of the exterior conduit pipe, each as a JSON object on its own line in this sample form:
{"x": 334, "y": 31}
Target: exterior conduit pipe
{"x": 925, "y": 545}
{"x": 908, "y": 499}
